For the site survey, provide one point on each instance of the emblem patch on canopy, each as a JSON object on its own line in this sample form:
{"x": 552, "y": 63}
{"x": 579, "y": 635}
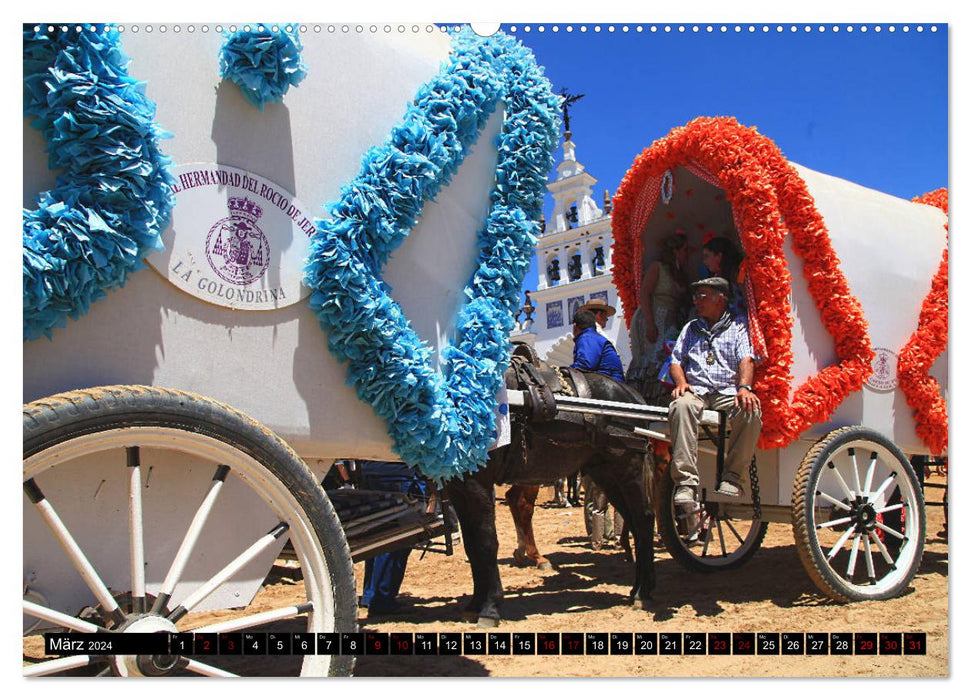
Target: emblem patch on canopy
{"x": 236, "y": 248}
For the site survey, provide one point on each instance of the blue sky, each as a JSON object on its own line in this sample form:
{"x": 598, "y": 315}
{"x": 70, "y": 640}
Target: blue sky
{"x": 870, "y": 107}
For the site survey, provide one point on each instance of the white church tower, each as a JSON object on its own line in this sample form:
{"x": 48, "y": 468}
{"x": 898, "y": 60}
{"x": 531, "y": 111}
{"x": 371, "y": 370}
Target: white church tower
{"x": 573, "y": 256}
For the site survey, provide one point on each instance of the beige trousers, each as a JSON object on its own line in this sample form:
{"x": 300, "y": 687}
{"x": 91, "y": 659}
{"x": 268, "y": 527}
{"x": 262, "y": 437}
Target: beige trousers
{"x": 600, "y": 526}
{"x": 684, "y": 418}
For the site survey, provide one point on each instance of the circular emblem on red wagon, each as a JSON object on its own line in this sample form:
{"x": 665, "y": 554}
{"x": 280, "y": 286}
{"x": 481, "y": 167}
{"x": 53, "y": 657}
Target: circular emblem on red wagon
{"x": 236, "y": 248}
{"x": 884, "y": 377}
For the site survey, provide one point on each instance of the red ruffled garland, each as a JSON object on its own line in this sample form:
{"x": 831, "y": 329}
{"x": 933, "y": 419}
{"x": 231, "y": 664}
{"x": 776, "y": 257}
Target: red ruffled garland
{"x": 769, "y": 201}
{"x": 921, "y": 390}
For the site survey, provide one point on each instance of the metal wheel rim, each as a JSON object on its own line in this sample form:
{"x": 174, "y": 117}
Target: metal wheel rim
{"x": 270, "y": 489}
{"x": 716, "y": 530}
{"x": 827, "y": 553}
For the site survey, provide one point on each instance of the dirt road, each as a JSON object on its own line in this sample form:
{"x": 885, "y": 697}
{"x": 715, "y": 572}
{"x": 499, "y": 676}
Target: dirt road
{"x": 587, "y": 591}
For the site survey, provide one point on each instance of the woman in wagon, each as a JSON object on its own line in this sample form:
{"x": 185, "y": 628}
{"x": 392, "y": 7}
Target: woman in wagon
{"x": 722, "y": 258}
{"x": 662, "y": 311}
{"x": 713, "y": 367}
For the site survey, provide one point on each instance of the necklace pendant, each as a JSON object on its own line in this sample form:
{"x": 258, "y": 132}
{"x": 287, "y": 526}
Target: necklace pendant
{"x": 711, "y": 358}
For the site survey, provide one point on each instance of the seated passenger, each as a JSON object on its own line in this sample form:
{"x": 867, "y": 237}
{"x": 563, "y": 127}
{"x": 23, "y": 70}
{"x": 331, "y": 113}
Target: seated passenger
{"x": 591, "y": 351}
{"x": 722, "y": 258}
{"x": 713, "y": 367}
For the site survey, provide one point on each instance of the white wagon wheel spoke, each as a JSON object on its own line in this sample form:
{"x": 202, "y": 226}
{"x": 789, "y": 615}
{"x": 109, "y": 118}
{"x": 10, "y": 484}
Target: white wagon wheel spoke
{"x": 191, "y": 537}
{"x": 58, "y": 618}
{"x": 883, "y": 550}
{"x": 871, "y": 572}
{"x": 839, "y": 478}
{"x": 47, "y": 668}
{"x": 834, "y": 523}
{"x": 839, "y": 544}
{"x": 856, "y": 470}
{"x": 832, "y": 501}
{"x": 895, "y": 506}
{"x": 890, "y": 531}
{"x": 136, "y": 534}
{"x": 256, "y": 620}
{"x": 854, "y": 552}
{"x": 227, "y": 572}
{"x": 206, "y": 670}
{"x": 883, "y": 487}
{"x": 871, "y": 470}
{"x": 73, "y": 550}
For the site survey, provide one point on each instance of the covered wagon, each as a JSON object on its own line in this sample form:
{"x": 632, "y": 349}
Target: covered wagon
{"x": 336, "y": 226}
{"x": 846, "y": 291}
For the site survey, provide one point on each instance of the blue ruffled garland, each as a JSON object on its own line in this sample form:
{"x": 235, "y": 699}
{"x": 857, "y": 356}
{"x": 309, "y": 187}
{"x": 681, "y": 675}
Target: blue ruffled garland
{"x": 263, "y": 63}
{"x": 442, "y": 423}
{"x": 113, "y": 199}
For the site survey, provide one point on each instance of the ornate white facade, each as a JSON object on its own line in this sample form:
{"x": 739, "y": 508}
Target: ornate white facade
{"x": 574, "y": 260}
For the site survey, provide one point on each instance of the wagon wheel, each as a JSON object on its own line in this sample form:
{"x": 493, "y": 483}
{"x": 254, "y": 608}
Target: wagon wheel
{"x": 144, "y": 442}
{"x": 858, "y": 516}
{"x": 703, "y": 538}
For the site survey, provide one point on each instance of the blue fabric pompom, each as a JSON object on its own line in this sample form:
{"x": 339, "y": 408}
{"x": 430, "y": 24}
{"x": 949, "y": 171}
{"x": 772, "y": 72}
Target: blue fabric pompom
{"x": 113, "y": 197}
{"x": 264, "y": 63}
{"x": 441, "y": 422}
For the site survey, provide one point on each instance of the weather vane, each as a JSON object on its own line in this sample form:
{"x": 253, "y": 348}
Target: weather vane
{"x": 568, "y": 100}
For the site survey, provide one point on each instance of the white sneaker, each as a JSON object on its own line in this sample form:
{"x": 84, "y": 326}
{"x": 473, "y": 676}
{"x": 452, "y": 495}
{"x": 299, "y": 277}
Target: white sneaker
{"x": 729, "y": 488}
{"x": 684, "y": 495}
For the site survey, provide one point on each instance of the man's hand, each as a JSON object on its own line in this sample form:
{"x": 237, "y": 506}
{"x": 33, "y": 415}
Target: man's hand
{"x": 680, "y": 390}
{"x": 680, "y": 381}
{"x": 747, "y": 400}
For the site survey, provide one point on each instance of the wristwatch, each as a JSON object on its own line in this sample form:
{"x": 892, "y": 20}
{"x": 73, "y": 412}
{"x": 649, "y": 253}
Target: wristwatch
{"x": 747, "y": 386}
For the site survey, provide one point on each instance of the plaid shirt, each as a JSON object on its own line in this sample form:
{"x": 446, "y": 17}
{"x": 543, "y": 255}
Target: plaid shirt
{"x": 728, "y": 348}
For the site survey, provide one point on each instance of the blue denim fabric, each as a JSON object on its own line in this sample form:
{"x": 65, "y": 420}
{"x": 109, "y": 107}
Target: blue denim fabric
{"x": 383, "y": 574}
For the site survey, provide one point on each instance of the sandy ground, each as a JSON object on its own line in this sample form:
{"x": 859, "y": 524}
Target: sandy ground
{"x": 587, "y": 592}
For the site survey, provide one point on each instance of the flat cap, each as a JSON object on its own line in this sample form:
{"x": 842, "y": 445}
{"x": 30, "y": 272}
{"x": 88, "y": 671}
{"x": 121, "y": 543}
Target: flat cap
{"x": 718, "y": 283}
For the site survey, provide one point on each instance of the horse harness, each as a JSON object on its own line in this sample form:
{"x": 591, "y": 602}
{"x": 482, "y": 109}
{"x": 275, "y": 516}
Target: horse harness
{"x": 540, "y": 383}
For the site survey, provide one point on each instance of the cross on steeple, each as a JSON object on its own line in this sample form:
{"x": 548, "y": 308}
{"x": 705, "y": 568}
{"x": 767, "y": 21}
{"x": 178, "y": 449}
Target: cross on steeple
{"x": 568, "y": 100}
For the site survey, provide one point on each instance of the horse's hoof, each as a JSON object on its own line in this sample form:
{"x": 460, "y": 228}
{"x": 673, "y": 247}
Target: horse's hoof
{"x": 544, "y": 566}
{"x": 469, "y": 616}
{"x": 643, "y": 604}
{"x": 488, "y": 622}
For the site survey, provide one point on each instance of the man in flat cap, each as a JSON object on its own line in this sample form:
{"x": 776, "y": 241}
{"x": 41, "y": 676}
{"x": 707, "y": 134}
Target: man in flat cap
{"x": 712, "y": 366}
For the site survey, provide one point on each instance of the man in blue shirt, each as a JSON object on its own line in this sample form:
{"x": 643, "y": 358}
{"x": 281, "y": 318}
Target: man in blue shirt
{"x": 591, "y": 351}
{"x": 713, "y": 367}
{"x": 384, "y": 573}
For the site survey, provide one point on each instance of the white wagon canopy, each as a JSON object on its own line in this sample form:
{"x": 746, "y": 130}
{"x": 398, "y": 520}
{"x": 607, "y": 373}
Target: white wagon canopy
{"x": 846, "y": 292}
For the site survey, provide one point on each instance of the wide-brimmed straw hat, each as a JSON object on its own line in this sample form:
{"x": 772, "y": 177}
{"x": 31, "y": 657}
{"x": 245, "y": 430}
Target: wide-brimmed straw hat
{"x": 598, "y": 304}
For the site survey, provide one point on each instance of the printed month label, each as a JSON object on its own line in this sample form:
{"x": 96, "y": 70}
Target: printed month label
{"x": 236, "y": 239}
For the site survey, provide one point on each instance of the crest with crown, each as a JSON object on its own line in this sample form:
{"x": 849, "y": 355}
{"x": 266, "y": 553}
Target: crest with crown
{"x": 244, "y": 208}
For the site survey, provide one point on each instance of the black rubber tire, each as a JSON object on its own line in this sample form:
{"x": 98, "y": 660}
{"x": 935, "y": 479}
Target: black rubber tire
{"x": 53, "y": 420}
{"x": 683, "y": 554}
{"x": 804, "y": 502}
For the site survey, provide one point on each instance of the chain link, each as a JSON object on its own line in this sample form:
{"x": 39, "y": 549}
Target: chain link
{"x": 522, "y": 437}
{"x": 753, "y": 476}
{"x": 567, "y": 389}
